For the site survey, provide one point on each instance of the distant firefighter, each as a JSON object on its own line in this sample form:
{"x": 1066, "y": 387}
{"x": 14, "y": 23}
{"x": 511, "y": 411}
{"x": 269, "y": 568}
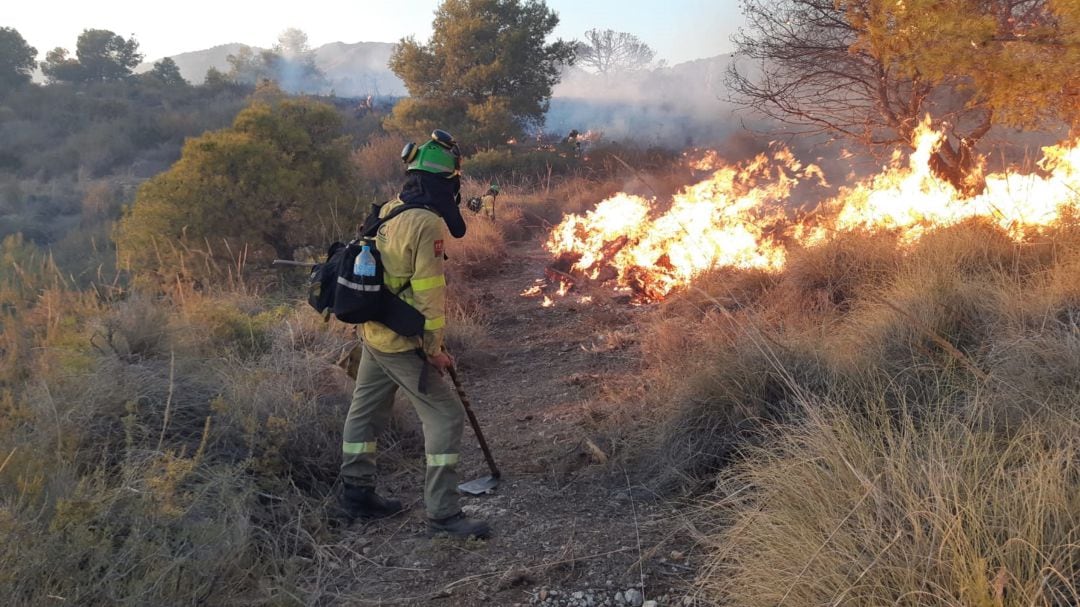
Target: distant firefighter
{"x": 485, "y": 204}
{"x": 573, "y": 141}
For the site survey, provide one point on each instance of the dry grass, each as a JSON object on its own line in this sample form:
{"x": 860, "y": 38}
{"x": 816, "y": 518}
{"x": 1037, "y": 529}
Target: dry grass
{"x": 857, "y": 317}
{"x": 482, "y": 249}
{"x": 878, "y": 508}
{"x": 871, "y": 426}
{"x": 167, "y": 451}
{"x": 179, "y": 447}
{"x": 881, "y": 426}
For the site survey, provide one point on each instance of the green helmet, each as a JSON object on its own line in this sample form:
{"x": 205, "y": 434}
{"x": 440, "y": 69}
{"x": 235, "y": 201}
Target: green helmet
{"x": 494, "y": 189}
{"x": 440, "y": 155}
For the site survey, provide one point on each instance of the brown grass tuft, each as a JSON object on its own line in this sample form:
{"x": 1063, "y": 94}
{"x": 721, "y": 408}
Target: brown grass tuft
{"x": 876, "y": 509}
{"x": 887, "y": 425}
{"x": 482, "y": 249}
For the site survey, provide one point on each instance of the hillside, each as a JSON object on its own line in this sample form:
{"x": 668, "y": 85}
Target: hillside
{"x": 194, "y": 64}
{"x": 833, "y": 388}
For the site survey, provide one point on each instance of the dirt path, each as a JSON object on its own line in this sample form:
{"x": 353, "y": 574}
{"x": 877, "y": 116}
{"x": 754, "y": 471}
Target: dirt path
{"x": 569, "y": 529}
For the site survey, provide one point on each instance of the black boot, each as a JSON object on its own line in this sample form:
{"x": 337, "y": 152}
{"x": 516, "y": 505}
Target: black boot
{"x": 363, "y": 502}
{"x": 460, "y": 526}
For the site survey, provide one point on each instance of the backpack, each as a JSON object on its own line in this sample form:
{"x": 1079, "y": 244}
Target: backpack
{"x": 333, "y": 287}
{"x": 474, "y": 204}
{"x": 322, "y": 281}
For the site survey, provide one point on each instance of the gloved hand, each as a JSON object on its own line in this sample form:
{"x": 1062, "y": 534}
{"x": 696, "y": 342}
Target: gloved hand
{"x": 441, "y": 361}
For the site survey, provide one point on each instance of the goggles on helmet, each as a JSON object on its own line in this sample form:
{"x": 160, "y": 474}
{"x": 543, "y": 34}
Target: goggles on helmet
{"x": 440, "y": 155}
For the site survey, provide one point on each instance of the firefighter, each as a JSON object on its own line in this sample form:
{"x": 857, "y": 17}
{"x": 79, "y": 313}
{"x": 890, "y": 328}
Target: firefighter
{"x": 488, "y": 201}
{"x": 411, "y": 245}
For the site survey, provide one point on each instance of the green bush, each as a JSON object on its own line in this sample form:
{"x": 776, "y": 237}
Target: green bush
{"x": 222, "y": 326}
{"x": 509, "y": 165}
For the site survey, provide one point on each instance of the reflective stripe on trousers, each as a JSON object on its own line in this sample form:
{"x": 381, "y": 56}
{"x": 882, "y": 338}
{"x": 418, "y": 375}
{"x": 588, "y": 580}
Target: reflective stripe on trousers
{"x": 355, "y": 448}
{"x": 442, "y": 459}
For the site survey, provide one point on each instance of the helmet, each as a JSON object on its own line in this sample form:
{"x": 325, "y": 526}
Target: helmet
{"x": 440, "y": 155}
{"x": 494, "y": 189}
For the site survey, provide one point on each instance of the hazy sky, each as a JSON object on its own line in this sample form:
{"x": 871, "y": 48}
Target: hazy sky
{"x": 679, "y": 30}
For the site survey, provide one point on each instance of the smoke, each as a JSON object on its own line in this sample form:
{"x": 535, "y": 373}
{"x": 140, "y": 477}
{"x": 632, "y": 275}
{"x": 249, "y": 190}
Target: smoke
{"x": 360, "y": 69}
{"x": 677, "y": 107}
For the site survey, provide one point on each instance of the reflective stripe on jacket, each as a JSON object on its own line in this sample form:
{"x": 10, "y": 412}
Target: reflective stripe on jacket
{"x": 411, "y": 246}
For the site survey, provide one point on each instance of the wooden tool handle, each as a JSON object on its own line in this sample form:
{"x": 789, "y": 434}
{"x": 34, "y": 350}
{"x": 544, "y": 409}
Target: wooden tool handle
{"x": 473, "y": 421}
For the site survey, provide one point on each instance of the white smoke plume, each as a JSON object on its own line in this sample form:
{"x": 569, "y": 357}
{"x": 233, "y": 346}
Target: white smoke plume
{"x": 680, "y": 106}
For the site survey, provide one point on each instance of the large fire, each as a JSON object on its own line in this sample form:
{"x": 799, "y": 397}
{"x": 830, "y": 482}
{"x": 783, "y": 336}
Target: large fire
{"x": 742, "y": 216}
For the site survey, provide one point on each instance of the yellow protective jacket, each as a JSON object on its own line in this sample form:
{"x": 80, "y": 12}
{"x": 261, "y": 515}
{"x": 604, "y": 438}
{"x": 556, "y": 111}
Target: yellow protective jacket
{"x": 488, "y": 201}
{"x": 411, "y": 246}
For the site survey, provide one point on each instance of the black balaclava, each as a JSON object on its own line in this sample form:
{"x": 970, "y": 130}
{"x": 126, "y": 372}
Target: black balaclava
{"x": 440, "y": 193}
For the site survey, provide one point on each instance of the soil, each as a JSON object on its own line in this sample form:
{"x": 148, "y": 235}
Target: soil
{"x": 572, "y": 525}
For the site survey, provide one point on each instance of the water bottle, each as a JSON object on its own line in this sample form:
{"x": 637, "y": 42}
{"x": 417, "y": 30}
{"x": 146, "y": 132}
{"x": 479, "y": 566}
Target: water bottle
{"x": 365, "y": 262}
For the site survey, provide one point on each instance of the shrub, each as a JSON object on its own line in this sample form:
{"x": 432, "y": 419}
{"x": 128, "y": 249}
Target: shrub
{"x": 380, "y": 166}
{"x": 221, "y": 325}
{"x": 101, "y": 199}
{"x": 518, "y": 166}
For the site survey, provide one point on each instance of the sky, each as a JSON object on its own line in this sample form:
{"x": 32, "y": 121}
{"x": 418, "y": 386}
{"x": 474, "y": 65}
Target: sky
{"x": 679, "y": 30}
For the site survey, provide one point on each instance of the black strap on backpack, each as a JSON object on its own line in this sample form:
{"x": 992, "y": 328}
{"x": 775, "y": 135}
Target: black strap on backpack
{"x": 374, "y": 222}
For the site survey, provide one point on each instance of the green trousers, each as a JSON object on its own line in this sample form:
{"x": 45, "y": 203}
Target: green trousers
{"x": 379, "y": 376}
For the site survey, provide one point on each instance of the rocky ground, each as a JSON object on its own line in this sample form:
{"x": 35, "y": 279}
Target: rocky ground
{"x": 573, "y": 527}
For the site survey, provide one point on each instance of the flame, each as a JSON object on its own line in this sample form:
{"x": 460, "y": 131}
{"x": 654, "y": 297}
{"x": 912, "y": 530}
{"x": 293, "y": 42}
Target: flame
{"x": 741, "y": 216}
{"x": 732, "y": 219}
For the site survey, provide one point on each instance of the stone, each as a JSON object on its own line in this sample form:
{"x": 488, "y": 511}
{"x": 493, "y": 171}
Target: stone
{"x": 634, "y": 597}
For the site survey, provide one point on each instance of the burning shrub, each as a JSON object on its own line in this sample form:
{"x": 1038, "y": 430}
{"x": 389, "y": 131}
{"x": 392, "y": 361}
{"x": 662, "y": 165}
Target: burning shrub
{"x": 742, "y": 216}
{"x": 858, "y": 319}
